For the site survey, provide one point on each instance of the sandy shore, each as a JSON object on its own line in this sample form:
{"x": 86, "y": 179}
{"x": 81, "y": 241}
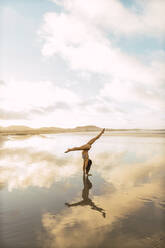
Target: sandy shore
{"x": 108, "y": 133}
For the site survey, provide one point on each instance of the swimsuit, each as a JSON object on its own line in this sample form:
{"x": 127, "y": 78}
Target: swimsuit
{"x": 83, "y": 156}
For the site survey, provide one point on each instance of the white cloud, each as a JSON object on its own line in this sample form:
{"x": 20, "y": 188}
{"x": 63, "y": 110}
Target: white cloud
{"x": 27, "y": 96}
{"x": 80, "y": 35}
{"x": 86, "y": 46}
{"x": 130, "y": 185}
{"x": 23, "y": 168}
{"x": 37, "y": 104}
{"x": 118, "y": 104}
{"x": 143, "y": 17}
{"x": 140, "y": 105}
{"x": 139, "y": 94}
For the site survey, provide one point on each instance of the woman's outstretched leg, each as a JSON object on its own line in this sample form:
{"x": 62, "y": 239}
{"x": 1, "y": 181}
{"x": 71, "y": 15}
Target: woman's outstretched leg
{"x": 95, "y": 138}
{"x": 79, "y": 148}
{"x": 86, "y": 146}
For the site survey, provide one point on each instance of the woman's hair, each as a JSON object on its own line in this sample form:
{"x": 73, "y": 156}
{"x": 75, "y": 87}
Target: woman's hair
{"x": 89, "y": 165}
{"x": 89, "y": 161}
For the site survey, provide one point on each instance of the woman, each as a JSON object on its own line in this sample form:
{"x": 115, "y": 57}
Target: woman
{"x": 85, "y": 148}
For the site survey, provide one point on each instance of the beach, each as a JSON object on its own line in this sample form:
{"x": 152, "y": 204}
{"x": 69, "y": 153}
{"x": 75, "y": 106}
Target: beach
{"x": 47, "y": 203}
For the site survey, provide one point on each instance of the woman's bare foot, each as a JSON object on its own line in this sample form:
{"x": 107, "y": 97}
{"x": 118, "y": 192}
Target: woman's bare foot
{"x": 67, "y": 150}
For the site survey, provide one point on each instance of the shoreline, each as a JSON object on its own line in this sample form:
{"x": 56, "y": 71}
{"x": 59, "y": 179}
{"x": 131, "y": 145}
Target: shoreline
{"x": 108, "y": 133}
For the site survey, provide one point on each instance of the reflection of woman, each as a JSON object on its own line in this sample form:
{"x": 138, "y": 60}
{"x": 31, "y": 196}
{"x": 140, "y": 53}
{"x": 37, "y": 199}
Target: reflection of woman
{"x": 86, "y": 200}
{"x": 85, "y": 148}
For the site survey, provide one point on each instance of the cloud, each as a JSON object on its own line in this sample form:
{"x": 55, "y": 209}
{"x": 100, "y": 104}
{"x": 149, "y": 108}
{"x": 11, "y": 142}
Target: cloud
{"x": 2, "y": 82}
{"x": 24, "y": 96}
{"x": 136, "y": 101}
{"x": 87, "y": 48}
{"x": 22, "y": 167}
{"x": 131, "y": 174}
{"x": 61, "y": 105}
{"x": 77, "y": 34}
{"x": 21, "y": 100}
{"x": 41, "y": 103}
{"x": 83, "y": 34}
{"x": 25, "y": 167}
{"x": 134, "y": 184}
{"x": 124, "y": 91}
{"x": 143, "y": 17}
{"x": 80, "y": 35}
{"x": 12, "y": 115}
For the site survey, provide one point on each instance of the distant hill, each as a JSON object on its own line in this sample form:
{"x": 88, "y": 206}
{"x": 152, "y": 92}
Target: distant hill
{"x": 28, "y": 130}
{"x": 15, "y": 128}
{"x": 87, "y": 128}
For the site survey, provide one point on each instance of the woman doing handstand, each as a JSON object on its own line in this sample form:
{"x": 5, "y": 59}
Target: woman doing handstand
{"x": 85, "y": 148}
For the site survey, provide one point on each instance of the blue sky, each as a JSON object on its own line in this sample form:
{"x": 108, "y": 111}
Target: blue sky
{"x": 100, "y": 63}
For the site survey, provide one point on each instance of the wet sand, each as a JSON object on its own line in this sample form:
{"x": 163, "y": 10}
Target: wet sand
{"x": 145, "y": 133}
{"x": 46, "y": 202}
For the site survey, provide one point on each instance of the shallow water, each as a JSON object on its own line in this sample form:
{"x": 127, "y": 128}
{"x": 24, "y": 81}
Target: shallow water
{"x": 45, "y": 201}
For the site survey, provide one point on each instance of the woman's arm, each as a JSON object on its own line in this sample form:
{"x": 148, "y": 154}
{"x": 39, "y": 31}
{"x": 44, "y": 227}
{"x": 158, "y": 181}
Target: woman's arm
{"x": 85, "y": 165}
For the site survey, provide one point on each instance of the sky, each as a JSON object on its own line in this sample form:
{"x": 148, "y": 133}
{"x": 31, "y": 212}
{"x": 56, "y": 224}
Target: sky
{"x": 68, "y": 63}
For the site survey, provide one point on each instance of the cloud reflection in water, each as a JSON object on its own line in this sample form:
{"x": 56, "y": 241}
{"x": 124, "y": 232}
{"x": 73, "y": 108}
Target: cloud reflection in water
{"x": 132, "y": 194}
